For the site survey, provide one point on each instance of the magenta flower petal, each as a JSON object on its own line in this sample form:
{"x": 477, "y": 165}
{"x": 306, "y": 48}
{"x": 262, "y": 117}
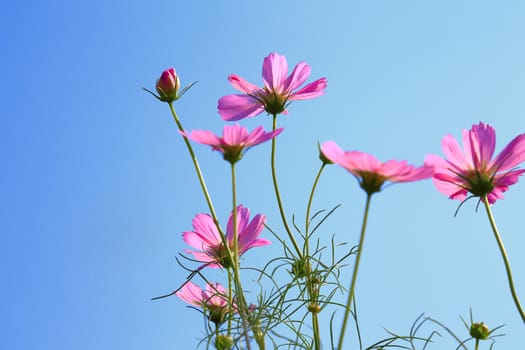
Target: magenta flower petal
{"x": 300, "y": 73}
{"x": 511, "y": 156}
{"x": 213, "y": 300}
{"x": 473, "y": 169}
{"x": 235, "y": 140}
{"x": 237, "y": 107}
{"x": 206, "y": 238}
{"x": 242, "y": 85}
{"x": 370, "y": 172}
{"x": 274, "y": 96}
{"x": 275, "y": 69}
{"x": 191, "y": 293}
{"x": 312, "y": 90}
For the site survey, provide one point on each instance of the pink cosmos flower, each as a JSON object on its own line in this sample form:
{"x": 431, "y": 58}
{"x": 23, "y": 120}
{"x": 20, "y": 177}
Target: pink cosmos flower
{"x": 213, "y": 300}
{"x": 370, "y": 172}
{"x": 473, "y": 168}
{"x": 206, "y": 238}
{"x": 278, "y": 91}
{"x": 235, "y": 140}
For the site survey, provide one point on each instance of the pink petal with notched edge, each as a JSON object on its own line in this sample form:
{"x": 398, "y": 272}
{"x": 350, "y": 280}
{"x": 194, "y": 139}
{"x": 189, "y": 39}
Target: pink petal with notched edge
{"x": 234, "y": 135}
{"x": 236, "y": 107}
{"x": 249, "y": 233}
{"x": 191, "y": 293}
{"x": 243, "y": 85}
{"x": 333, "y": 152}
{"x": 512, "y": 155}
{"x": 312, "y": 90}
{"x": 275, "y": 69}
{"x": 247, "y": 230}
{"x": 204, "y": 137}
{"x": 485, "y": 137}
{"x": 453, "y": 151}
{"x": 359, "y": 163}
{"x": 215, "y": 295}
{"x": 300, "y": 73}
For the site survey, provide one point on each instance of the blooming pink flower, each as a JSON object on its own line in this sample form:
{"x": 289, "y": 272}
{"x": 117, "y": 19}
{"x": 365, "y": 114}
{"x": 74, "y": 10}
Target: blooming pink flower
{"x": 279, "y": 89}
{"x": 473, "y": 169}
{"x": 168, "y": 85}
{"x": 207, "y": 239}
{"x": 372, "y": 173}
{"x": 235, "y": 140}
{"x": 213, "y": 300}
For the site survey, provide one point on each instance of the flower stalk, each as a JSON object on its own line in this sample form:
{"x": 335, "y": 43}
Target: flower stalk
{"x": 504, "y": 256}
{"x": 278, "y": 195}
{"x": 354, "y": 274}
{"x": 236, "y": 266}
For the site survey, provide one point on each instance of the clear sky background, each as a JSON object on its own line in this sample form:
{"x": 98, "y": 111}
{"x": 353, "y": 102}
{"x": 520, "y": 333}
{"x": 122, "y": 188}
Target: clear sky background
{"x": 97, "y": 187}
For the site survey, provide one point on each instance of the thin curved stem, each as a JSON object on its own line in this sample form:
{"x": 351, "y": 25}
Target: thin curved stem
{"x": 354, "y": 275}
{"x": 237, "y": 276}
{"x": 306, "y": 252}
{"x": 197, "y": 168}
{"x": 230, "y": 302}
{"x": 278, "y": 195}
{"x": 310, "y": 200}
{"x": 505, "y": 258}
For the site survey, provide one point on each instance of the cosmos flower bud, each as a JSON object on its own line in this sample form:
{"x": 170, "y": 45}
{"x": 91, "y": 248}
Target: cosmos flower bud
{"x": 223, "y": 342}
{"x": 479, "y": 331}
{"x": 168, "y": 85}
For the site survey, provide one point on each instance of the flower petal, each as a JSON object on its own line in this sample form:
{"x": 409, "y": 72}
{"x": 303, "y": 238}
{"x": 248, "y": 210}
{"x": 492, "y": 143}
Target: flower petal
{"x": 243, "y": 85}
{"x": 204, "y": 137}
{"x": 312, "y": 90}
{"x": 275, "y": 69}
{"x": 300, "y": 73}
{"x": 191, "y": 293}
{"x": 236, "y": 107}
{"x": 512, "y": 155}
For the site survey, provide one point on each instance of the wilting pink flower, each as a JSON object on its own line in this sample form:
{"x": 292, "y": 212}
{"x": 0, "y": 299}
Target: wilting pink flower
{"x": 235, "y": 140}
{"x": 472, "y": 169}
{"x": 370, "y": 172}
{"x": 278, "y": 91}
{"x": 213, "y": 300}
{"x": 207, "y": 239}
{"x": 168, "y": 85}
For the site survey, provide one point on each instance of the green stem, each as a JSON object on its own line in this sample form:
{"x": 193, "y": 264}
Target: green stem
{"x": 310, "y": 200}
{"x": 354, "y": 275}
{"x": 477, "y": 344}
{"x": 241, "y": 303}
{"x": 317, "y": 336}
{"x": 202, "y": 182}
{"x": 278, "y": 195}
{"x": 230, "y": 302}
{"x": 505, "y": 258}
{"x": 197, "y": 168}
{"x": 311, "y": 294}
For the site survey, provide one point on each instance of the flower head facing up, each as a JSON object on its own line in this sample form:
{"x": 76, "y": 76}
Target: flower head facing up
{"x": 473, "y": 168}
{"x": 235, "y": 140}
{"x": 206, "y": 237}
{"x": 168, "y": 85}
{"x": 278, "y": 91}
{"x": 370, "y": 172}
{"x": 213, "y": 300}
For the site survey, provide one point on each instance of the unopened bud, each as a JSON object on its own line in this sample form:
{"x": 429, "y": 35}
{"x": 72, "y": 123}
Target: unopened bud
{"x": 168, "y": 85}
{"x": 479, "y": 331}
{"x": 223, "y": 342}
{"x": 314, "y": 308}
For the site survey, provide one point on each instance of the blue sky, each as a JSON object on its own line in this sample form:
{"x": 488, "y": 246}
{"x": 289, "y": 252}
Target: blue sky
{"x": 97, "y": 187}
